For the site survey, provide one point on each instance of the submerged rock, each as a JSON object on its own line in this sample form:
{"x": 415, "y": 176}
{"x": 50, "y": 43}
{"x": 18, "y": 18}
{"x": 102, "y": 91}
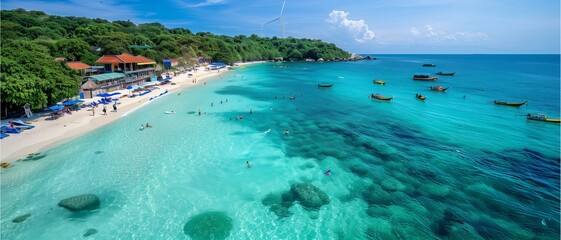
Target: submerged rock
{"x": 309, "y": 196}
{"x": 377, "y": 196}
{"x": 391, "y": 184}
{"x": 89, "y": 232}
{"x": 21, "y": 218}
{"x": 5, "y": 165}
{"x": 208, "y": 225}
{"x": 34, "y": 157}
{"x": 279, "y": 203}
{"x": 80, "y": 203}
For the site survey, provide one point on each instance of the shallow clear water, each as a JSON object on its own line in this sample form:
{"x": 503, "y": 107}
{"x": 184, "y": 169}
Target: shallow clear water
{"x": 447, "y": 168}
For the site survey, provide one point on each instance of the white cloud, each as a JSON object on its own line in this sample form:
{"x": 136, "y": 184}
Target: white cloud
{"x": 360, "y": 30}
{"x": 202, "y": 4}
{"x": 432, "y": 35}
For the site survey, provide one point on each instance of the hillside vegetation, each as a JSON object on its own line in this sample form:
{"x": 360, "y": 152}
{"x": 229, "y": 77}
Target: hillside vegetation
{"x": 32, "y": 39}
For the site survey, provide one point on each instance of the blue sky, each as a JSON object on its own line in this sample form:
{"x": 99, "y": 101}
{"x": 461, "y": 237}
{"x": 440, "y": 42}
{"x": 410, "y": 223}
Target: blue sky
{"x": 363, "y": 26}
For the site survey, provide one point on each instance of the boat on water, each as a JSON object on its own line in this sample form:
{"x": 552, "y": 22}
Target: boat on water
{"x": 380, "y": 97}
{"x": 424, "y": 77}
{"x": 377, "y": 81}
{"x": 420, "y": 97}
{"x": 429, "y": 65}
{"x": 324, "y": 85}
{"x": 513, "y": 104}
{"x": 446, "y": 73}
{"x": 542, "y": 117}
{"x": 438, "y": 88}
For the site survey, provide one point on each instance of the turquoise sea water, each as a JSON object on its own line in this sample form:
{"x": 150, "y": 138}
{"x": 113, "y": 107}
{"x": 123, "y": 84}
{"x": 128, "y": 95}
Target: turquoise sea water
{"x": 450, "y": 167}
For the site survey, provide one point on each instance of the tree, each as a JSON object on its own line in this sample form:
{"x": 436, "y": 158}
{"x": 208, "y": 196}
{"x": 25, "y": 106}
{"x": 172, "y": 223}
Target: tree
{"x": 73, "y": 49}
{"x": 30, "y": 75}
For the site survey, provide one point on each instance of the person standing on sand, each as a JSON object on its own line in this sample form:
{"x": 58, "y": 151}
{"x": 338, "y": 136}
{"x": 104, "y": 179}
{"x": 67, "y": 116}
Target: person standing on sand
{"x": 93, "y": 111}
{"x": 115, "y": 107}
{"x": 104, "y": 110}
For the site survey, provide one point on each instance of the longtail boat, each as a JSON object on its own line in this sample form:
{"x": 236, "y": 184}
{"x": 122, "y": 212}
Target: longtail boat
{"x": 420, "y": 97}
{"x": 446, "y": 73}
{"x": 512, "y": 104}
{"x": 438, "y": 88}
{"x": 380, "y": 97}
{"x": 325, "y": 85}
{"x": 543, "y": 118}
{"x": 380, "y": 82}
{"x": 429, "y": 65}
{"x": 423, "y": 77}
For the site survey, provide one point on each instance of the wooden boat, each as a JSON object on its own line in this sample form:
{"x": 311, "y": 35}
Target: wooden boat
{"x": 438, "y": 88}
{"x": 446, "y": 73}
{"x": 543, "y": 118}
{"x": 429, "y": 65}
{"x": 325, "y": 85}
{"x": 380, "y": 82}
{"x": 420, "y": 97}
{"x": 423, "y": 77}
{"x": 380, "y": 97}
{"x": 513, "y": 104}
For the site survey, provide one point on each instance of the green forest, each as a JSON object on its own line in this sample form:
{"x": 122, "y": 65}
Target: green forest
{"x": 30, "y": 40}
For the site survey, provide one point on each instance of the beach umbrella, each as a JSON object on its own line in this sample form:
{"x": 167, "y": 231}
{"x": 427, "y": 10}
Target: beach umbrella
{"x": 104, "y": 95}
{"x": 129, "y": 87}
{"x": 115, "y": 93}
{"x": 56, "y": 107}
{"x": 72, "y": 102}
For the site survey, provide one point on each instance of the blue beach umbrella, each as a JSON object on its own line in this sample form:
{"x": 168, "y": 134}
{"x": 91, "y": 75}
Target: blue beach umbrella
{"x": 129, "y": 87}
{"x": 115, "y": 93}
{"x": 72, "y": 102}
{"x": 104, "y": 95}
{"x": 56, "y": 107}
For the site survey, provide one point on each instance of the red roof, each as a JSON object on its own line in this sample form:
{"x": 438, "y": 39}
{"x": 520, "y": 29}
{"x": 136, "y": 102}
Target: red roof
{"x": 124, "y": 58}
{"x": 109, "y": 59}
{"x": 143, "y": 59}
{"x": 128, "y": 58}
{"x": 78, "y": 65}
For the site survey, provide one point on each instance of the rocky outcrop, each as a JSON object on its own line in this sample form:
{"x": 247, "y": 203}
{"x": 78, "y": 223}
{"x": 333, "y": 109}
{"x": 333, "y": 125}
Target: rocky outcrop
{"x": 89, "y": 232}
{"x": 21, "y": 218}
{"x": 309, "y": 196}
{"x": 80, "y": 203}
{"x": 208, "y": 225}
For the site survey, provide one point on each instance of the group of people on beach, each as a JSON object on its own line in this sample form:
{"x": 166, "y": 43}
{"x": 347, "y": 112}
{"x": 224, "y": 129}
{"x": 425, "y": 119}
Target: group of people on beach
{"x": 104, "y": 109}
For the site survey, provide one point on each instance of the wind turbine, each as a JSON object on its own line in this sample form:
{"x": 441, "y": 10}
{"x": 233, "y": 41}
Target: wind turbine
{"x": 280, "y": 19}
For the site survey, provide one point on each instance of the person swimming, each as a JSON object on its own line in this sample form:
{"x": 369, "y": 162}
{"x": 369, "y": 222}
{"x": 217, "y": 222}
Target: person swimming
{"x": 328, "y": 172}
{"x": 141, "y": 126}
{"x": 286, "y": 132}
{"x": 247, "y": 163}
{"x": 148, "y": 125}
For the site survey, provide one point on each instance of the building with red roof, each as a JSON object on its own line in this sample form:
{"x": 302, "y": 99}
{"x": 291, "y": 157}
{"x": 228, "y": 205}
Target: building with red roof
{"x": 123, "y": 70}
{"x": 78, "y": 65}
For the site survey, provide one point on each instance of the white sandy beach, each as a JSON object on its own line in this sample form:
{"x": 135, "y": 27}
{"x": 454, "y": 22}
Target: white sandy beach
{"x": 48, "y": 132}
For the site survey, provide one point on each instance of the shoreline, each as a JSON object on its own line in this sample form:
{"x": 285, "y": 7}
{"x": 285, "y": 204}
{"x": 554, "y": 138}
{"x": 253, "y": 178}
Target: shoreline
{"x": 48, "y": 133}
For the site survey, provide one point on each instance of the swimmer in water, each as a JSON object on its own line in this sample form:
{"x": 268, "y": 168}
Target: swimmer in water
{"x": 247, "y": 163}
{"x": 328, "y": 172}
{"x": 286, "y": 132}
